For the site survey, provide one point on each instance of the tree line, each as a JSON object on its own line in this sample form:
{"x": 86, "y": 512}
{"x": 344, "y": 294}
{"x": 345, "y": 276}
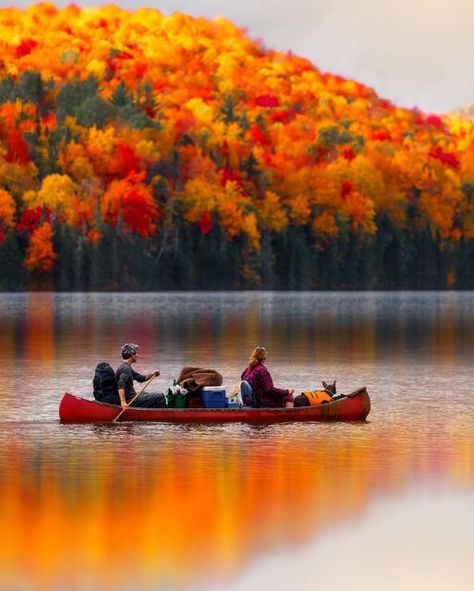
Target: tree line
{"x": 187, "y": 156}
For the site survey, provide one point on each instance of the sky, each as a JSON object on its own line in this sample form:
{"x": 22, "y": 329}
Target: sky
{"x": 416, "y": 53}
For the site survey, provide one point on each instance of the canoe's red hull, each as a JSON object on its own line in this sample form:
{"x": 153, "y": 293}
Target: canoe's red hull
{"x": 353, "y": 407}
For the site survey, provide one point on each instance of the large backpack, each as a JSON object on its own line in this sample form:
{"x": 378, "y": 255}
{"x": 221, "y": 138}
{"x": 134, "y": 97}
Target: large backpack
{"x": 104, "y": 382}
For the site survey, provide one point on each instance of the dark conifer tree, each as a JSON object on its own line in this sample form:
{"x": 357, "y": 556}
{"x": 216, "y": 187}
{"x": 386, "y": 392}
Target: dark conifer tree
{"x": 12, "y": 271}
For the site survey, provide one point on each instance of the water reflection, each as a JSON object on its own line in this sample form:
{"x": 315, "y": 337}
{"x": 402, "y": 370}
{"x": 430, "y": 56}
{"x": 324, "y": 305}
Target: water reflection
{"x": 354, "y": 326}
{"x": 159, "y": 507}
{"x": 174, "y": 506}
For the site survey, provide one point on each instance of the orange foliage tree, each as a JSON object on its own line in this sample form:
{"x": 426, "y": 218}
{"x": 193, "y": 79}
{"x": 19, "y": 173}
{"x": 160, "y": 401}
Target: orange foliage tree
{"x": 40, "y": 253}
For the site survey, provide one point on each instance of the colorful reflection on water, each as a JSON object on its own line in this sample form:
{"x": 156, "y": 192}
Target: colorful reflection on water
{"x": 159, "y": 507}
{"x": 152, "y": 507}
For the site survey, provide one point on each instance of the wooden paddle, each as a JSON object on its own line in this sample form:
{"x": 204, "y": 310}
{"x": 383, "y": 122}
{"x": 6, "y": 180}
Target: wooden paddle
{"x": 134, "y": 398}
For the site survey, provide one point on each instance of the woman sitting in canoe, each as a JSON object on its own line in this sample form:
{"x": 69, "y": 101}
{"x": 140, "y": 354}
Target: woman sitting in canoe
{"x": 260, "y": 380}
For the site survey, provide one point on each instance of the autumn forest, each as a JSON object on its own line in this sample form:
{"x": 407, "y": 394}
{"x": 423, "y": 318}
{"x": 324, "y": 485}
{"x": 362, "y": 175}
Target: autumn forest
{"x": 143, "y": 152}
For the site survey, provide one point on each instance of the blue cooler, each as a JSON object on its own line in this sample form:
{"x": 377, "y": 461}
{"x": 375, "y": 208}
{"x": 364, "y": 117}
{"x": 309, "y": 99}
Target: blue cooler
{"x": 214, "y": 397}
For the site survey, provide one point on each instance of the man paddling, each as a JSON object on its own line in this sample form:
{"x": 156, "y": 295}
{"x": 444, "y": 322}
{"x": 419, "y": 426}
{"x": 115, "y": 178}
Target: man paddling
{"x": 125, "y": 376}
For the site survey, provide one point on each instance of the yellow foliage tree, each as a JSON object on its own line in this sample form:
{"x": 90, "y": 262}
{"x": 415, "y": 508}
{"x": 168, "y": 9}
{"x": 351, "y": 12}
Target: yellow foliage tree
{"x": 271, "y": 213}
{"x": 200, "y": 195}
{"x": 236, "y": 213}
{"x": 57, "y": 192}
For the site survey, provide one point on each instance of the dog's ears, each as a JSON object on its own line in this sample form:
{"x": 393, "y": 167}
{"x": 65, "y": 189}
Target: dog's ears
{"x": 330, "y": 387}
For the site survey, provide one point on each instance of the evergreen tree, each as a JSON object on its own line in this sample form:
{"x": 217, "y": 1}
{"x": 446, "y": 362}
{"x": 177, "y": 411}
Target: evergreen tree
{"x": 7, "y": 89}
{"x": 93, "y": 111}
{"x": 228, "y": 109}
{"x": 29, "y": 87}
{"x": 121, "y": 96}
{"x": 12, "y": 271}
{"x": 72, "y": 94}
{"x": 104, "y": 265}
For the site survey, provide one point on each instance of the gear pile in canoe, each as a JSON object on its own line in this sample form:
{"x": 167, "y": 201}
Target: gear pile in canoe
{"x": 347, "y": 407}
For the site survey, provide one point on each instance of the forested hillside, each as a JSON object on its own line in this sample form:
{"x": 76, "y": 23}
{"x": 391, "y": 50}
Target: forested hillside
{"x": 139, "y": 151}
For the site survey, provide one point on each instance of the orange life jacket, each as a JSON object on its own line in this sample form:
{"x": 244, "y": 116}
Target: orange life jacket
{"x": 317, "y": 397}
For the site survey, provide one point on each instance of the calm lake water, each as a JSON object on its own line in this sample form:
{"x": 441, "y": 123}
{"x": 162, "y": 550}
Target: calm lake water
{"x": 380, "y": 505}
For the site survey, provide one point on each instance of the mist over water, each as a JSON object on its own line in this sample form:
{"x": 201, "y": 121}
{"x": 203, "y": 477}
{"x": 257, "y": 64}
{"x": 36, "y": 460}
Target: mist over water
{"x": 155, "y": 506}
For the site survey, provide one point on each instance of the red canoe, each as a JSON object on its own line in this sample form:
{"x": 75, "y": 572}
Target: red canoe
{"x": 352, "y": 407}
